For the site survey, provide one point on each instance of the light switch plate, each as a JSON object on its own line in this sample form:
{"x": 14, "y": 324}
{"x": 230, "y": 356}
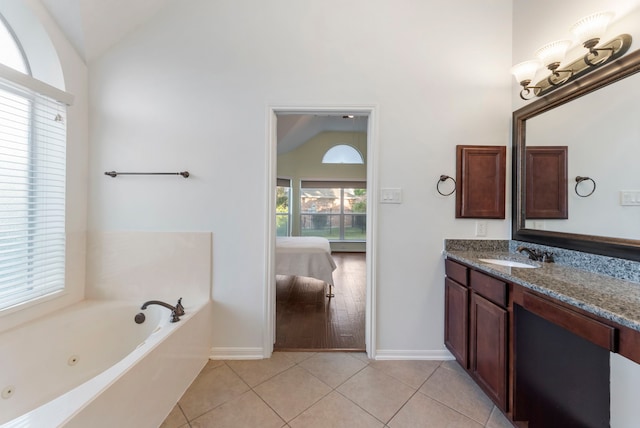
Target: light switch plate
{"x": 391, "y": 196}
{"x": 630, "y": 197}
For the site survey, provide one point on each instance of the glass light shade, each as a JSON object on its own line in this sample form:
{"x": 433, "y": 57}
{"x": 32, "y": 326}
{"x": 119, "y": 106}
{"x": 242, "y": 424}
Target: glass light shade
{"x": 592, "y": 26}
{"x": 553, "y": 52}
{"x": 525, "y": 70}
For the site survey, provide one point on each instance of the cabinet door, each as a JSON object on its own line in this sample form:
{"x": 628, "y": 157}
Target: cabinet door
{"x": 488, "y": 348}
{"x": 456, "y": 325}
{"x": 480, "y": 174}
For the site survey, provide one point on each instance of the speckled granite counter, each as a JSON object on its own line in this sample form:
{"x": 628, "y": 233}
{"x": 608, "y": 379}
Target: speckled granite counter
{"x": 614, "y": 299}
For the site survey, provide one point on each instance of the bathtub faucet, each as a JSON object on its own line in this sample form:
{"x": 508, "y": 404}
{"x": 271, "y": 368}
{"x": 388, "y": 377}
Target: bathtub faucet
{"x": 174, "y": 311}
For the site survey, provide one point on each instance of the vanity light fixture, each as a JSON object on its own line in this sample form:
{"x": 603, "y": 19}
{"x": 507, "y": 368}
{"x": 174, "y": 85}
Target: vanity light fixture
{"x": 587, "y": 31}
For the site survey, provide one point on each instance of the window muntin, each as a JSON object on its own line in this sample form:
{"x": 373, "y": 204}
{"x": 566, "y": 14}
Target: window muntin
{"x": 32, "y": 194}
{"x": 338, "y": 213}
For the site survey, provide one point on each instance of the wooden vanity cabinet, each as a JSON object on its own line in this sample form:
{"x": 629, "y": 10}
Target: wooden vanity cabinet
{"x": 476, "y": 321}
{"x": 488, "y": 329}
{"x": 456, "y": 310}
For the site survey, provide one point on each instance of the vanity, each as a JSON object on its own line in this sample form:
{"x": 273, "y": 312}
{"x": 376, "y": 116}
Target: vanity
{"x": 545, "y": 340}
{"x": 534, "y": 336}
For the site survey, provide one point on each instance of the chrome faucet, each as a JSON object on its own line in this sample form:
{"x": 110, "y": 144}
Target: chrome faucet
{"x": 175, "y": 312}
{"x": 539, "y": 256}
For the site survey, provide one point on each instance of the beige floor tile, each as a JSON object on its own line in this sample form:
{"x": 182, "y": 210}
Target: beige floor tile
{"x": 498, "y": 420}
{"x": 292, "y": 392}
{"x": 422, "y": 411}
{"x": 247, "y": 410}
{"x": 361, "y": 356}
{"x": 296, "y": 357}
{"x": 413, "y": 373}
{"x": 175, "y": 419}
{"x": 215, "y": 363}
{"x": 212, "y": 387}
{"x": 335, "y": 411}
{"x": 452, "y": 365}
{"x": 254, "y": 372}
{"x": 333, "y": 368}
{"x": 455, "y": 389}
{"x": 376, "y": 392}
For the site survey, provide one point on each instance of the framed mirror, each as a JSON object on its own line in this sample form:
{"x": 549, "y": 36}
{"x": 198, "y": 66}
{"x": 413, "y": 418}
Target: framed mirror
{"x": 596, "y": 117}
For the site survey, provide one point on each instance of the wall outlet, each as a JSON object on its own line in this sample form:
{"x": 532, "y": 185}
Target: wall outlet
{"x": 481, "y": 228}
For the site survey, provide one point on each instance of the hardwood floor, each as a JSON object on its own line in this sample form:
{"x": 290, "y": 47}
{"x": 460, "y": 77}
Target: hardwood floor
{"x": 307, "y": 320}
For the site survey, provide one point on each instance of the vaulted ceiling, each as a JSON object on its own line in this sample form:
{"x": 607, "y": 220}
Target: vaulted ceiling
{"x": 94, "y": 26}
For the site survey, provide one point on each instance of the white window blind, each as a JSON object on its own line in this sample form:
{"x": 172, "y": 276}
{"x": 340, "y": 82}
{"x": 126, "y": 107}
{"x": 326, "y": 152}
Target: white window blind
{"x": 32, "y": 195}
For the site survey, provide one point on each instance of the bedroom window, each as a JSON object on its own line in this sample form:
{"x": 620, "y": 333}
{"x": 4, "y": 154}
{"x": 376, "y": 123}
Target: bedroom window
{"x": 283, "y": 207}
{"x": 32, "y": 181}
{"x": 336, "y": 210}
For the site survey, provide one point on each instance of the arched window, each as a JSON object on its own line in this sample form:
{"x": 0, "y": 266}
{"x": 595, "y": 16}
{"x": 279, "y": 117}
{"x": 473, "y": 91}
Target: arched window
{"x": 32, "y": 180}
{"x": 11, "y": 53}
{"x": 342, "y": 153}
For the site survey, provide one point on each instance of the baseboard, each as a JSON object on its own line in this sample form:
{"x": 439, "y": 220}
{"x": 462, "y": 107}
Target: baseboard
{"x": 236, "y": 354}
{"x": 438, "y": 355}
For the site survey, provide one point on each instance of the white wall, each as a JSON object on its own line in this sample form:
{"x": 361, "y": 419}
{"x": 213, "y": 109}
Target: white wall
{"x": 191, "y": 90}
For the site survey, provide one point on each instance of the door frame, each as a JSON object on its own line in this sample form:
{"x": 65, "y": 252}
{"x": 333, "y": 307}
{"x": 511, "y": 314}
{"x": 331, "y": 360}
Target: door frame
{"x": 269, "y": 297}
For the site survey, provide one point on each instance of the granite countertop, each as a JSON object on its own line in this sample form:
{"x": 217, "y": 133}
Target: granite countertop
{"x": 610, "y": 298}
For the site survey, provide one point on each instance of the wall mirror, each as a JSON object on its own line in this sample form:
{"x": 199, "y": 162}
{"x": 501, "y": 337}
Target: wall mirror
{"x": 596, "y": 117}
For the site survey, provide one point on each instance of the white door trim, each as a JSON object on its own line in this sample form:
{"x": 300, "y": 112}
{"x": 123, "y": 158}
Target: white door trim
{"x": 372, "y": 217}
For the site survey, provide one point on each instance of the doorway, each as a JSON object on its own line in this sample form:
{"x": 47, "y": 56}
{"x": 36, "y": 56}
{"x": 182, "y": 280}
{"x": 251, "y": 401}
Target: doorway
{"x": 282, "y": 116}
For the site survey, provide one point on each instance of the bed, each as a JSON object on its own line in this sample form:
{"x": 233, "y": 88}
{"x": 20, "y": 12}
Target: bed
{"x": 308, "y": 256}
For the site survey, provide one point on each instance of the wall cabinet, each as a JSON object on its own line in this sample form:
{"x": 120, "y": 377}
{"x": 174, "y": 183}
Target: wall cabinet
{"x": 481, "y": 175}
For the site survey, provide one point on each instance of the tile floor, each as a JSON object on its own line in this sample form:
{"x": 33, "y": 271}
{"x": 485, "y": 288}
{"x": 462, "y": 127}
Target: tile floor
{"x": 326, "y": 389}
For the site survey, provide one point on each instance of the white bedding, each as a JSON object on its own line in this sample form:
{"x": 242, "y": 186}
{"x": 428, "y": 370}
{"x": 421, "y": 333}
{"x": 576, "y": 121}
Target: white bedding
{"x": 308, "y": 256}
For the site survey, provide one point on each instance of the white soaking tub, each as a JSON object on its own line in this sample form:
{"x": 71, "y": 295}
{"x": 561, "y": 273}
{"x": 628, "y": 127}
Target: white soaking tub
{"x": 92, "y": 365}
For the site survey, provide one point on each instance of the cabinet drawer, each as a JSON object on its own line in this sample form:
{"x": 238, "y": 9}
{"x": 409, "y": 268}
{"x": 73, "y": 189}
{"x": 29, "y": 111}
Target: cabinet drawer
{"x": 491, "y": 288}
{"x": 456, "y": 271}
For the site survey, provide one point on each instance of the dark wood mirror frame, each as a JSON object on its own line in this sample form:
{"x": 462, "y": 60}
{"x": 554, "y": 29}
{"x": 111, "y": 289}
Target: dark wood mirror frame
{"x": 608, "y": 246}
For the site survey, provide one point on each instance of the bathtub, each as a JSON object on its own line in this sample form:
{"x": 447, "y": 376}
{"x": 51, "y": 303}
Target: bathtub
{"x": 92, "y": 365}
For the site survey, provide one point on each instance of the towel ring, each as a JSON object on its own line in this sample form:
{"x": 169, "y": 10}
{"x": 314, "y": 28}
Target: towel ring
{"x": 442, "y": 179}
{"x": 580, "y": 180}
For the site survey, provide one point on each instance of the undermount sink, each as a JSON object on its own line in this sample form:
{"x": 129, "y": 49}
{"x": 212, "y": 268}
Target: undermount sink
{"x": 509, "y": 263}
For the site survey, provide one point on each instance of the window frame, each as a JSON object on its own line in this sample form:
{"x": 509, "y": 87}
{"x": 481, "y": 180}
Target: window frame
{"x": 41, "y": 250}
{"x": 334, "y": 184}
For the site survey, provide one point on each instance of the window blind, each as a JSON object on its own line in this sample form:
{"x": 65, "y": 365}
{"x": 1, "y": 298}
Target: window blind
{"x": 32, "y": 195}
{"x": 333, "y": 184}
{"x": 283, "y": 182}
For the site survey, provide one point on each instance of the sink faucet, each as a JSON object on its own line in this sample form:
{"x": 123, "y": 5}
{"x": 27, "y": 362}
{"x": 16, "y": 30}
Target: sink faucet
{"x": 175, "y": 312}
{"x": 539, "y": 256}
{"x": 533, "y": 254}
